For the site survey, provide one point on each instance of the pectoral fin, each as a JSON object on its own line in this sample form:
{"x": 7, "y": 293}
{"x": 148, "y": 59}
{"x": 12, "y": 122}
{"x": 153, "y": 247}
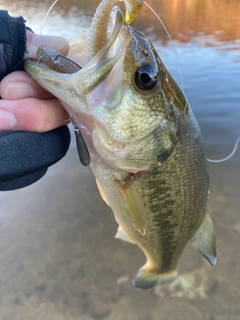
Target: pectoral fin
{"x": 134, "y": 204}
{"x": 102, "y": 192}
{"x": 122, "y": 235}
{"x": 204, "y": 240}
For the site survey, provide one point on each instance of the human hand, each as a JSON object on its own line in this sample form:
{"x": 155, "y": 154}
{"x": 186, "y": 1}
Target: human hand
{"x": 28, "y": 107}
{"x": 25, "y": 105}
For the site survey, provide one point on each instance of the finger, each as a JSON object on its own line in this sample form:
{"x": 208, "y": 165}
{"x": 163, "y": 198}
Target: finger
{"x": 31, "y": 114}
{"x": 34, "y": 41}
{"x": 19, "y": 85}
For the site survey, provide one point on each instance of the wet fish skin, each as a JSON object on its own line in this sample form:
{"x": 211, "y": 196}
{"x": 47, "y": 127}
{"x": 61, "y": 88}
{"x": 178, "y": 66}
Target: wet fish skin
{"x": 145, "y": 143}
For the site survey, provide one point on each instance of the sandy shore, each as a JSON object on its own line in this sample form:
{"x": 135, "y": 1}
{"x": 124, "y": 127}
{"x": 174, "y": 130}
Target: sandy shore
{"x": 59, "y": 259}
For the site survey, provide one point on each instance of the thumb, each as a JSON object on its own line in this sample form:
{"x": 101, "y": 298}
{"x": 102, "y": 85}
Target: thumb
{"x": 34, "y": 41}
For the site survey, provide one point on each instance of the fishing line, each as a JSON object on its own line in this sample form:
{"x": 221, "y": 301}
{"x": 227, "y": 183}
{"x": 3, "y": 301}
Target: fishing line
{"x": 179, "y": 70}
{"x": 175, "y": 52}
{"x": 44, "y": 20}
{"x": 181, "y": 78}
{"x": 168, "y": 34}
{"x": 229, "y": 156}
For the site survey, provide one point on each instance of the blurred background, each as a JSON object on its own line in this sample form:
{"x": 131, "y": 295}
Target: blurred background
{"x": 58, "y": 256}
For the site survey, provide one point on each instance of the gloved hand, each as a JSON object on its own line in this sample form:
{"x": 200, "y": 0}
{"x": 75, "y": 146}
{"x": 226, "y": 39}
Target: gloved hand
{"x": 26, "y": 156}
{"x": 25, "y": 106}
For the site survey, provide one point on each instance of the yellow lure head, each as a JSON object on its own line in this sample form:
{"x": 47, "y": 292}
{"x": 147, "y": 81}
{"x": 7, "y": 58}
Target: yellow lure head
{"x": 132, "y": 9}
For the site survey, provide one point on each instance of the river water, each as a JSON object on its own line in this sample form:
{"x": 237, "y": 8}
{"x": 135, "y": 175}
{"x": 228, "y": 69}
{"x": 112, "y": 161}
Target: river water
{"x": 58, "y": 258}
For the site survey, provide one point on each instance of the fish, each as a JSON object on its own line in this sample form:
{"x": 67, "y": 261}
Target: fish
{"x": 145, "y": 146}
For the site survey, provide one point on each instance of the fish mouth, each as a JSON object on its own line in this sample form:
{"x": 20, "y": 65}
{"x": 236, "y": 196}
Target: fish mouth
{"x": 94, "y": 72}
{"x": 88, "y": 96}
{"x": 72, "y": 89}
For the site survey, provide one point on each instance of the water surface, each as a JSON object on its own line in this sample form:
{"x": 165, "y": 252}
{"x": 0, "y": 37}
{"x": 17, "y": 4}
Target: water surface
{"x": 58, "y": 258}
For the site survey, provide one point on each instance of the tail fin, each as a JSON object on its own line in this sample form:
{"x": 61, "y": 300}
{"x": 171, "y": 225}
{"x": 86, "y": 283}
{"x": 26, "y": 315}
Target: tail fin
{"x": 147, "y": 280}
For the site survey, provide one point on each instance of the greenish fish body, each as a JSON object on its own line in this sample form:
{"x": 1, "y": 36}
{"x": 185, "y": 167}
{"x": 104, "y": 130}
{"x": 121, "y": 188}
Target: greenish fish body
{"x": 145, "y": 146}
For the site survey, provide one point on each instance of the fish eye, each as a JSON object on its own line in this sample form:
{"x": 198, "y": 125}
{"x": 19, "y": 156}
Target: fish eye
{"x": 146, "y": 77}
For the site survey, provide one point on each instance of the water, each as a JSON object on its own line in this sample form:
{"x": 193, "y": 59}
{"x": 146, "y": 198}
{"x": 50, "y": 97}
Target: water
{"x": 58, "y": 258}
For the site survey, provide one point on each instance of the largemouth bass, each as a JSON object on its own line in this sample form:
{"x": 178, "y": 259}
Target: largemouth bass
{"x": 145, "y": 145}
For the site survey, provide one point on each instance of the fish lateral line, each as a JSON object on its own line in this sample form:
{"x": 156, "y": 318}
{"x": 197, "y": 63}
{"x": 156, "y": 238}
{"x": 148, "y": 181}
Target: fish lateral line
{"x": 131, "y": 199}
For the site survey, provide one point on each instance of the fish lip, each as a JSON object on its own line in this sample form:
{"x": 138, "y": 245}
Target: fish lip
{"x": 80, "y": 80}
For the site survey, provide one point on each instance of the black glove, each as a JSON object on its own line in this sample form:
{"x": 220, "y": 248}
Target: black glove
{"x": 24, "y": 156}
{"x": 12, "y": 43}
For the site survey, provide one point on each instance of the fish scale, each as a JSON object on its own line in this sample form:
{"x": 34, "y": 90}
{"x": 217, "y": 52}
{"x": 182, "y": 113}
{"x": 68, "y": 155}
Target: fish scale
{"x": 145, "y": 145}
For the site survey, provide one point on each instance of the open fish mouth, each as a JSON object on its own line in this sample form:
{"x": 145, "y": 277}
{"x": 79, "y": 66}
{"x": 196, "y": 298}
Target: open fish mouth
{"x": 145, "y": 145}
{"x": 92, "y": 93}
{"x": 92, "y": 74}
{"x": 72, "y": 87}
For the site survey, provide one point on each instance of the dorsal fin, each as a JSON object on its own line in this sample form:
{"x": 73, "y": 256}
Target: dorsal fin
{"x": 204, "y": 240}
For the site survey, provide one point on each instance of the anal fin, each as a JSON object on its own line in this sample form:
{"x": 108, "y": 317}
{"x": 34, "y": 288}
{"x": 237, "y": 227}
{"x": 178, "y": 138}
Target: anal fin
{"x": 204, "y": 240}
